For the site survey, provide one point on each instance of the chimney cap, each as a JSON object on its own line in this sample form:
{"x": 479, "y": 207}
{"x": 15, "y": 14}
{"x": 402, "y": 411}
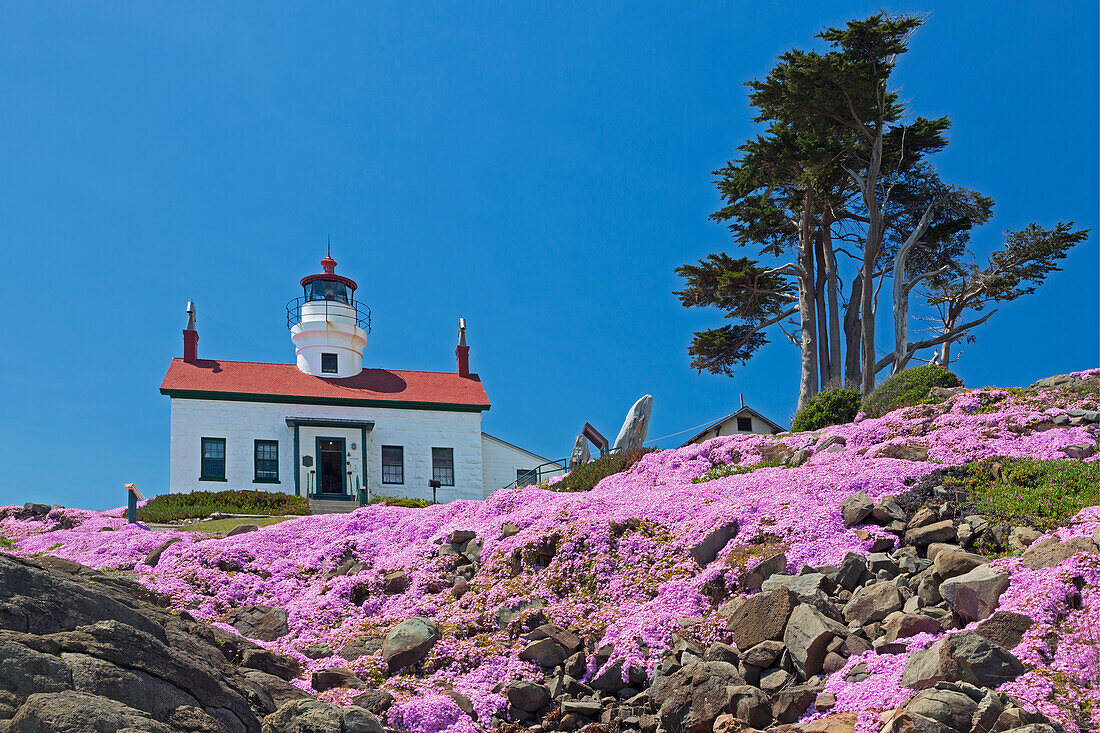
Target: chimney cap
{"x": 191, "y": 317}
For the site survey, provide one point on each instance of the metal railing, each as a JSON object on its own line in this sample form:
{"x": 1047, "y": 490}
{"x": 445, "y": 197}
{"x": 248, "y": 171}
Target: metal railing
{"x": 335, "y": 307}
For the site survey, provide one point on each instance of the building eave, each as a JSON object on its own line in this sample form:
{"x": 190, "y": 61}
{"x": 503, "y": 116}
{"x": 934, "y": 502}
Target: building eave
{"x": 188, "y": 394}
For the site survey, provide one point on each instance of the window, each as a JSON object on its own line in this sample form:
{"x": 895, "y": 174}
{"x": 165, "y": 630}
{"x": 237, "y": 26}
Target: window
{"x": 526, "y": 477}
{"x": 744, "y": 424}
{"x": 393, "y": 464}
{"x": 443, "y": 466}
{"x": 327, "y": 290}
{"x": 328, "y": 364}
{"x": 213, "y": 459}
{"x": 267, "y": 461}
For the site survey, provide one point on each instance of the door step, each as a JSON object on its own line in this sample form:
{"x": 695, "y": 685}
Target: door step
{"x": 332, "y": 506}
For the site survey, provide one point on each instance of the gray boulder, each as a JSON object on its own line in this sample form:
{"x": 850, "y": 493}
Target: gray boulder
{"x": 952, "y": 562}
{"x": 361, "y": 646}
{"x": 807, "y": 637}
{"x": 707, "y": 549}
{"x": 760, "y": 617}
{"x": 943, "y": 531}
{"x": 409, "y": 642}
{"x": 1005, "y": 628}
{"x": 932, "y": 710}
{"x": 304, "y": 716}
{"x": 962, "y": 657}
{"x": 803, "y": 587}
{"x": 266, "y": 623}
{"x": 975, "y": 595}
{"x": 580, "y": 454}
{"x": 856, "y": 508}
{"x": 154, "y": 556}
{"x": 755, "y": 575}
{"x": 359, "y": 720}
{"x": 333, "y": 677}
{"x": 1051, "y": 551}
{"x": 632, "y": 434}
{"x": 873, "y": 603}
{"x": 78, "y": 712}
{"x": 527, "y": 696}
{"x": 692, "y": 698}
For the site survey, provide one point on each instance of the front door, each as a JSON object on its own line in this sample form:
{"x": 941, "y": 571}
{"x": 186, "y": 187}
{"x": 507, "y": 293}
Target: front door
{"x": 330, "y": 466}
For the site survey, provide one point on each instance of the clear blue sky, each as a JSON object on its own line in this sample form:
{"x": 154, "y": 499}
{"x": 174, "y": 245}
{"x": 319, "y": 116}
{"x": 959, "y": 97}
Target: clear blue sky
{"x": 539, "y": 170}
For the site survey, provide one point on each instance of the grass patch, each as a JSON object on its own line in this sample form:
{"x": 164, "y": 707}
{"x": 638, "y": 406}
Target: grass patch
{"x": 224, "y": 525}
{"x": 733, "y": 469}
{"x": 401, "y": 501}
{"x": 584, "y": 478}
{"x": 1042, "y": 494}
{"x": 199, "y": 504}
{"x": 6, "y": 543}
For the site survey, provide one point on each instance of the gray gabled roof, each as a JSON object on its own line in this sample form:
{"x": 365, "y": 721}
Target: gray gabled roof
{"x": 776, "y": 428}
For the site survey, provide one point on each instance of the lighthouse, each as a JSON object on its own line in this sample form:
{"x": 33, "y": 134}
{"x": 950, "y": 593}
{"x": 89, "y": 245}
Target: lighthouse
{"x": 328, "y": 326}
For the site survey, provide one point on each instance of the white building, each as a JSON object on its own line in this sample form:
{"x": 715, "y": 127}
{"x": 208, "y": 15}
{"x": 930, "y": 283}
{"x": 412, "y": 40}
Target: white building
{"x": 327, "y": 428}
{"x": 745, "y": 420}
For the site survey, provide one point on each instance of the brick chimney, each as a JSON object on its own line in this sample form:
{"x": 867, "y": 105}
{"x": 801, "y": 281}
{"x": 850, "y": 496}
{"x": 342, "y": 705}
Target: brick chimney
{"x": 462, "y": 351}
{"x": 190, "y": 337}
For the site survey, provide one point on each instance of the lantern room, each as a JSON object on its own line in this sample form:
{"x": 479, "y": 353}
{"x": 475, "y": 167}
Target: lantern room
{"x": 328, "y": 326}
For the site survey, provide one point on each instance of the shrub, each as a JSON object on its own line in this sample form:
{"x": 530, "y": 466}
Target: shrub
{"x": 834, "y": 406}
{"x": 199, "y": 504}
{"x": 907, "y": 388}
{"x": 733, "y": 469}
{"x": 584, "y": 478}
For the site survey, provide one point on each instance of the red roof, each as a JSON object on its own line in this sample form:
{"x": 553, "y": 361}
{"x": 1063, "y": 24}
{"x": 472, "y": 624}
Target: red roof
{"x": 261, "y": 382}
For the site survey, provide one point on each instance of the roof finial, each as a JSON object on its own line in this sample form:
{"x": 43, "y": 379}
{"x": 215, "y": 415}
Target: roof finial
{"x": 328, "y": 252}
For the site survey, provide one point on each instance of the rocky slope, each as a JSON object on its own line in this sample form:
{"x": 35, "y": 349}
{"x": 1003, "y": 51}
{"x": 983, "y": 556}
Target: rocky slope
{"x": 826, "y": 581}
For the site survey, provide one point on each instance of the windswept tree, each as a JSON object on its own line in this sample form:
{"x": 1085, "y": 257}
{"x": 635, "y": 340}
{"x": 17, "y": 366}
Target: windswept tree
{"x": 836, "y": 196}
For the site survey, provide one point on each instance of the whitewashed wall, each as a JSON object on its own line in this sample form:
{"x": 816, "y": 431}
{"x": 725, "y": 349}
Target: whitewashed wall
{"x": 501, "y": 460}
{"x": 240, "y": 423}
{"x": 730, "y": 428}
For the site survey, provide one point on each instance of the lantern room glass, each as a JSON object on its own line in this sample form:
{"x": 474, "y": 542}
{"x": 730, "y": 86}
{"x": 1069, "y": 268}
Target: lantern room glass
{"x": 327, "y": 290}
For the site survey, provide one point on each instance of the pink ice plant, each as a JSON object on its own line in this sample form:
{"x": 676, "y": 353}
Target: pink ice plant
{"x": 616, "y": 565}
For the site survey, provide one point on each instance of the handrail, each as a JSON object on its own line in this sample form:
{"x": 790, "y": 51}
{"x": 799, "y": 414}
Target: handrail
{"x": 362, "y": 312}
{"x": 561, "y": 464}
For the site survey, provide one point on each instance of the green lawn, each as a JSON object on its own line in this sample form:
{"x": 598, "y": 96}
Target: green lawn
{"x": 224, "y": 525}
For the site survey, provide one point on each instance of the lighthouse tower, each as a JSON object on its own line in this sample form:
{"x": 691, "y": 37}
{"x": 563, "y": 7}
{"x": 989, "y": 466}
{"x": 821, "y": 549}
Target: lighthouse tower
{"x": 328, "y": 327}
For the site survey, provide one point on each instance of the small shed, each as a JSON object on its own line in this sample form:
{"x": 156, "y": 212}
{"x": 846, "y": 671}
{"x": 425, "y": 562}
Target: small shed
{"x": 745, "y": 420}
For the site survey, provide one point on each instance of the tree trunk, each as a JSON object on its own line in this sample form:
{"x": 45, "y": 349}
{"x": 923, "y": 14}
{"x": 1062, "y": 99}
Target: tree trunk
{"x": 806, "y": 305}
{"x": 902, "y": 286}
{"x": 872, "y": 249}
{"x": 853, "y": 378}
{"x": 824, "y": 362}
{"x": 831, "y": 285}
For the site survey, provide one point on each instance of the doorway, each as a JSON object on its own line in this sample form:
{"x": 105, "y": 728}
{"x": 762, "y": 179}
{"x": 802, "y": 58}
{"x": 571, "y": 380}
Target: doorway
{"x": 331, "y": 479}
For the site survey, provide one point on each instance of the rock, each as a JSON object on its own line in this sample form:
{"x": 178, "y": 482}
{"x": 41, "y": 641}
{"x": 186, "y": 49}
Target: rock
{"x": 359, "y": 720}
{"x": 799, "y": 457}
{"x": 154, "y": 557}
{"x": 1052, "y": 552}
{"x": 242, "y": 529}
{"x": 78, "y": 712}
{"x": 632, "y": 434}
{"x": 395, "y": 582}
{"x": 888, "y": 510}
{"x": 361, "y": 646}
{"x": 527, "y": 696}
{"x": 707, "y": 549}
{"x": 900, "y": 626}
{"x": 943, "y": 531}
{"x": 950, "y": 709}
{"x": 772, "y": 680}
{"x": 964, "y": 656}
{"x": 266, "y": 623}
{"x": 409, "y": 642}
{"x": 274, "y": 664}
{"x": 1005, "y": 628}
{"x": 856, "y": 508}
{"x": 610, "y": 678}
{"x": 754, "y": 576}
{"x": 580, "y": 454}
{"x": 807, "y": 637}
{"x": 692, "y": 698}
{"x": 461, "y": 536}
{"x": 327, "y": 679}
{"x": 760, "y": 617}
{"x": 508, "y": 529}
{"x": 904, "y": 451}
{"x": 1021, "y": 538}
{"x": 788, "y": 705}
{"x": 830, "y": 441}
{"x": 1080, "y": 451}
{"x": 376, "y": 701}
{"x": 873, "y": 602}
{"x": 280, "y": 690}
{"x": 320, "y": 650}
{"x": 975, "y": 595}
{"x": 303, "y": 716}
{"x": 544, "y": 652}
{"x": 803, "y": 587}
{"x": 749, "y": 705}
{"x": 852, "y": 571}
{"x": 950, "y": 563}
{"x": 587, "y": 708}
{"x": 764, "y": 654}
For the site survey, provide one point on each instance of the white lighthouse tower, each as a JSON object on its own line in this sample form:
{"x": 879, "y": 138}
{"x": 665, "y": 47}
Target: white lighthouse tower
{"x": 328, "y": 327}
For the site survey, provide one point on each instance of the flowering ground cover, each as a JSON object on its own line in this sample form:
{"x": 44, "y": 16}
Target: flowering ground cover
{"x": 614, "y": 564}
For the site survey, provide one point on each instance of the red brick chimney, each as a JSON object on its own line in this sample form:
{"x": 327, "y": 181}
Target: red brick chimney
{"x": 462, "y": 351}
{"x": 190, "y": 337}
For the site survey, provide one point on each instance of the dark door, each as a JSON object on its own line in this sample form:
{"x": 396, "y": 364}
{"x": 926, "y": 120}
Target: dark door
{"x": 330, "y": 465}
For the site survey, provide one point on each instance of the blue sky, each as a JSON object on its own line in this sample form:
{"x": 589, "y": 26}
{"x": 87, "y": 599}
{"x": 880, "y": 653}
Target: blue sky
{"x": 539, "y": 169}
